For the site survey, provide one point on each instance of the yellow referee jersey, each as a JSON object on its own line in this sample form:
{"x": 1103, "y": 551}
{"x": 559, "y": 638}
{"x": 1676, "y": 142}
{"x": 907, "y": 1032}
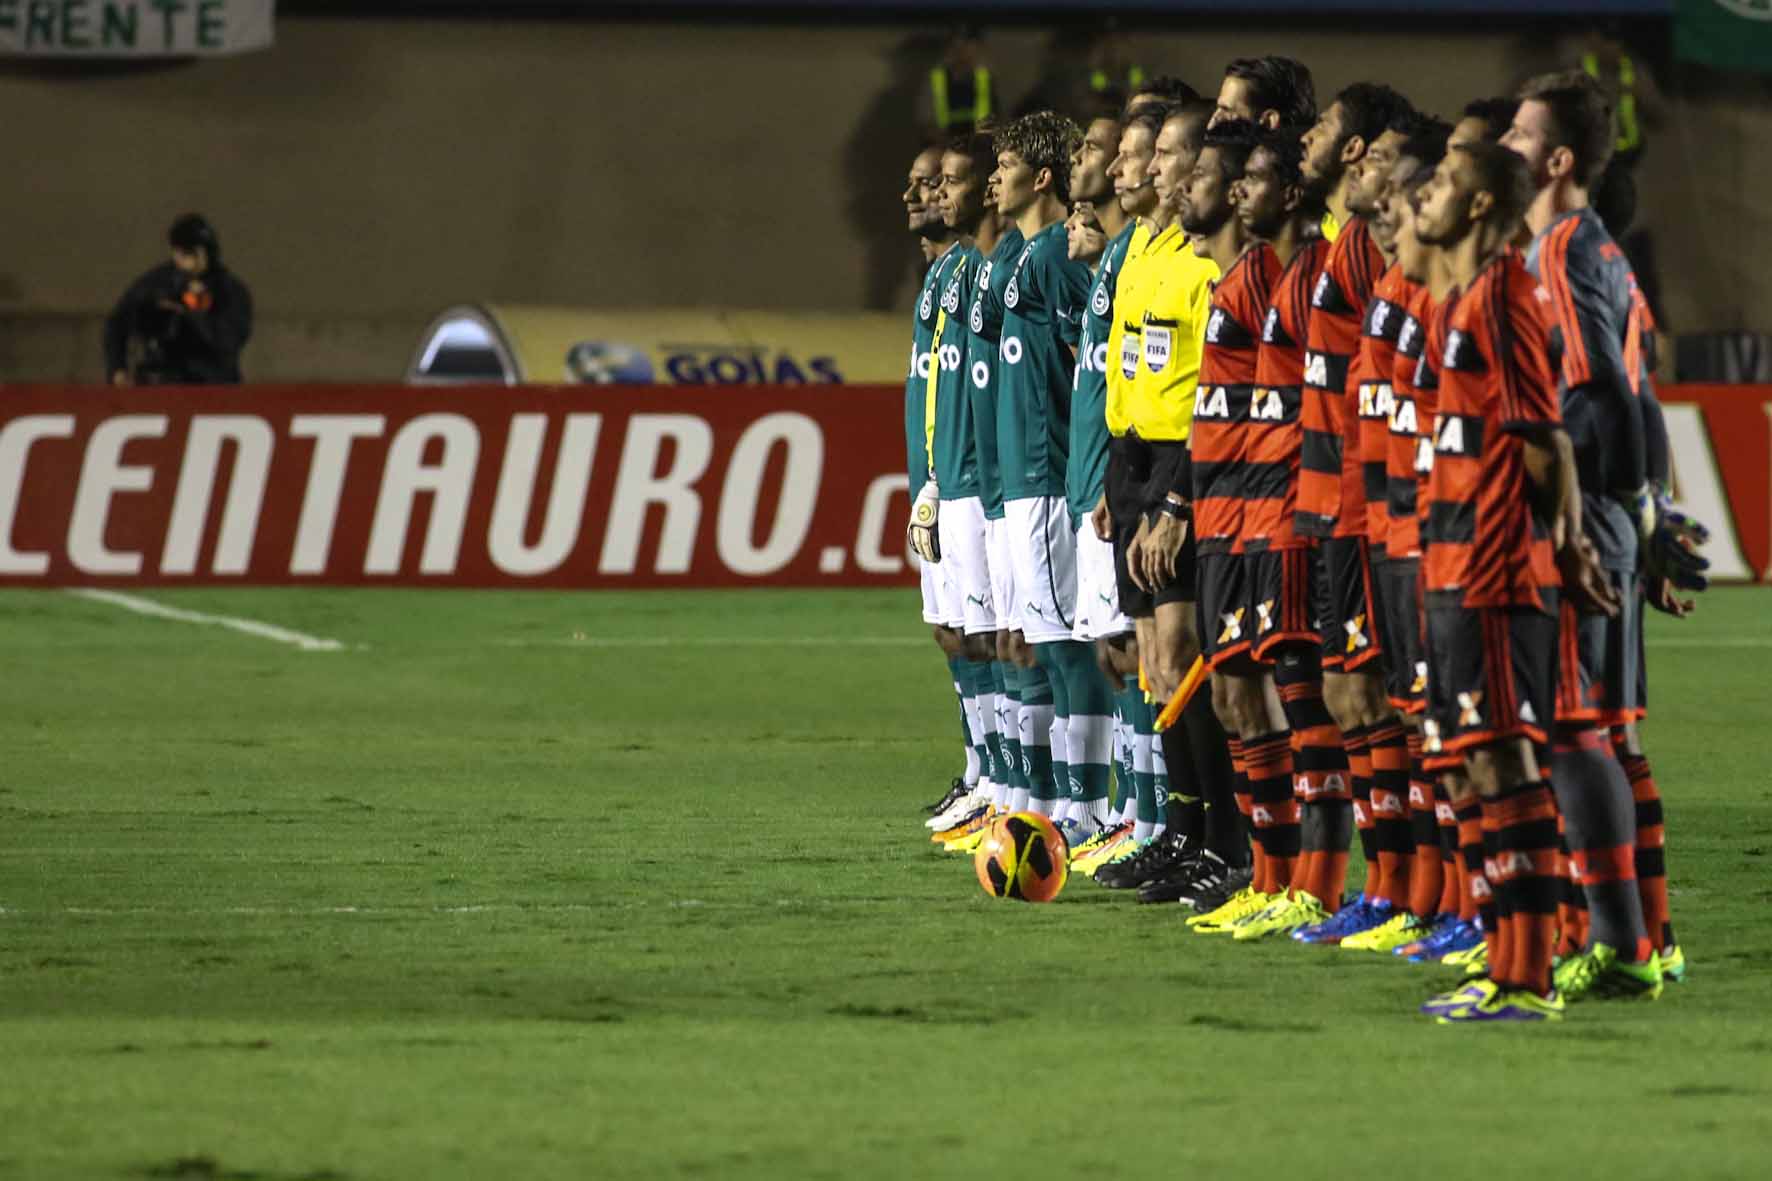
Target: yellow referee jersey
{"x": 1177, "y": 295}
{"x": 1128, "y": 314}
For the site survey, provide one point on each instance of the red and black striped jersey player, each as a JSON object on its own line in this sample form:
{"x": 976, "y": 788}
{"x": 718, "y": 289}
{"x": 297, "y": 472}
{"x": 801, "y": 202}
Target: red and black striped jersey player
{"x": 1502, "y": 544}
{"x": 1563, "y": 128}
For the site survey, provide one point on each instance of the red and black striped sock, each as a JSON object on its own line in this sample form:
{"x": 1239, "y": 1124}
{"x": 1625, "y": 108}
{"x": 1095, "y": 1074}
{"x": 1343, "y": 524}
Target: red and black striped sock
{"x": 1479, "y": 899}
{"x": 1426, "y": 875}
{"x": 1274, "y": 808}
{"x": 1359, "y": 759}
{"x": 1390, "y": 811}
{"x": 1651, "y": 853}
{"x": 1520, "y": 827}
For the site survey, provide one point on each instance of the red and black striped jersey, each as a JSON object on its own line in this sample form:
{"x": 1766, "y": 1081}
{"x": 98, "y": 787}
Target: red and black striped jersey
{"x": 1221, "y": 408}
{"x": 1409, "y": 455}
{"x": 1270, "y": 493}
{"x": 1373, "y": 381}
{"x": 1329, "y": 496}
{"x": 1482, "y": 540}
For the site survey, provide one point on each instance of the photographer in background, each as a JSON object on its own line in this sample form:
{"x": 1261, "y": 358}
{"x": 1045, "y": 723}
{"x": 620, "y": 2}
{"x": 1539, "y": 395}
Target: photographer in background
{"x": 185, "y": 321}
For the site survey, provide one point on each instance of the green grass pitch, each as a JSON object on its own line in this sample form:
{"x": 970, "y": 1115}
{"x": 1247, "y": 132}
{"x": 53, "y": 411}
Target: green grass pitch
{"x": 584, "y": 886}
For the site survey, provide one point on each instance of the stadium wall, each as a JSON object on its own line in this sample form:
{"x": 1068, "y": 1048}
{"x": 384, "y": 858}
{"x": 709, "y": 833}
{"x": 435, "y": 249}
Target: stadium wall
{"x": 562, "y": 487}
{"x": 365, "y": 173}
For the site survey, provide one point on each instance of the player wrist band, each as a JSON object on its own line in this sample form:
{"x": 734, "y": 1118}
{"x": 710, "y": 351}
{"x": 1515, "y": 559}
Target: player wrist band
{"x": 1173, "y": 508}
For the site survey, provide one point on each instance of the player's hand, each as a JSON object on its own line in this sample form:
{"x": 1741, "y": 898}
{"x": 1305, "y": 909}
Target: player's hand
{"x": 925, "y": 510}
{"x": 1135, "y": 555}
{"x": 1584, "y": 580}
{"x": 1672, "y": 550}
{"x": 1162, "y": 548}
{"x": 1660, "y": 594}
{"x": 1102, "y": 521}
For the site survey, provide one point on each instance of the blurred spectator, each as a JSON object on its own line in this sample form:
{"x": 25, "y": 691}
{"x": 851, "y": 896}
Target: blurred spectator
{"x": 960, "y": 95}
{"x": 185, "y": 321}
{"x": 1085, "y": 73}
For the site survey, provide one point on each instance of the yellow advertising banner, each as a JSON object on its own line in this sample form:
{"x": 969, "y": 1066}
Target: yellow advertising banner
{"x": 666, "y": 346}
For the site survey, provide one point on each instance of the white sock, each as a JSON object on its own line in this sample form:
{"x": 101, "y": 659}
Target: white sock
{"x": 1018, "y": 799}
{"x": 1043, "y": 807}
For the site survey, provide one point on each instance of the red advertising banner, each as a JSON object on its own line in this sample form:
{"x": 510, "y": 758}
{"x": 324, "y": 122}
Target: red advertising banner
{"x": 453, "y": 486}
{"x": 606, "y": 486}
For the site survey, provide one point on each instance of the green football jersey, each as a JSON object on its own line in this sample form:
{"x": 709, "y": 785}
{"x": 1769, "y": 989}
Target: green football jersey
{"x": 984, "y": 322}
{"x": 1087, "y": 469}
{"x": 916, "y": 382}
{"x": 952, "y": 443}
{"x": 1042, "y": 319}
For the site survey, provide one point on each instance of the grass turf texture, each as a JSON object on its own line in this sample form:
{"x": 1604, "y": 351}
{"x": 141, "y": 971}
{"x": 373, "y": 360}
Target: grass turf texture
{"x": 491, "y": 895}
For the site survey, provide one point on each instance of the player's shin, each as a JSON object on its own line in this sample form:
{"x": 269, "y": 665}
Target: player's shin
{"x": 1040, "y": 789}
{"x": 1600, "y": 817}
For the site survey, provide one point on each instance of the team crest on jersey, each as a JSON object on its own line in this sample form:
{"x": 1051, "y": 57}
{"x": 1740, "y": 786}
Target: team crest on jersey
{"x": 1012, "y": 294}
{"x": 928, "y": 303}
{"x": 950, "y": 299}
{"x": 977, "y": 320}
{"x": 1098, "y": 303}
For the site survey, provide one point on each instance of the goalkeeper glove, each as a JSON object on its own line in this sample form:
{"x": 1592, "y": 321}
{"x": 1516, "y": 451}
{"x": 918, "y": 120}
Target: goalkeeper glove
{"x": 924, "y": 512}
{"x": 1670, "y": 541}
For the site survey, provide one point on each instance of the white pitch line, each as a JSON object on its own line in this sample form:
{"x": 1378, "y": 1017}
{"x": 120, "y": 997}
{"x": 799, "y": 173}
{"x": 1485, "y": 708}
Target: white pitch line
{"x": 251, "y": 627}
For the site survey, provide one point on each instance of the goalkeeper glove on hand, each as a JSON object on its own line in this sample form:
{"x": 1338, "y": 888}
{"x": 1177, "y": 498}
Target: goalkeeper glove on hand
{"x": 925, "y": 510}
{"x": 1671, "y": 541}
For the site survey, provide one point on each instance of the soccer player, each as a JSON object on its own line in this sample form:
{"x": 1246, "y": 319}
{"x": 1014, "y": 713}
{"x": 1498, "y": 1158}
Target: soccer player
{"x": 1270, "y": 91}
{"x": 1043, "y": 307}
{"x": 1114, "y": 518}
{"x": 1503, "y": 528}
{"x": 1268, "y": 636}
{"x": 924, "y": 220}
{"x": 959, "y": 543}
{"x": 1170, "y": 309}
{"x": 1357, "y": 135}
{"x": 1100, "y": 232}
{"x": 1485, "y": 120}
{"x": 1563, "y": 128}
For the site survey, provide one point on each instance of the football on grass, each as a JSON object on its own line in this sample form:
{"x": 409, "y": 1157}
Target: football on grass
{"x": 1022, "y": 856}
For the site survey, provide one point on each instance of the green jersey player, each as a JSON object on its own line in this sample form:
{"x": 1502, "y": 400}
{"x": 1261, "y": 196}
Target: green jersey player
{"x": 1043, "y": 308}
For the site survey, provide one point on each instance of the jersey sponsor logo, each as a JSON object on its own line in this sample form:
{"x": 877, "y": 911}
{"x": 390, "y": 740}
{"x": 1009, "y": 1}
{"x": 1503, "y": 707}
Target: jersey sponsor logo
{"x": 1099, "y": 302}
{"x": 1381, "y": 311}
{"x": 950, "y": 358}
{"x": 1461, "y": 352}
{"x": 1214, "y": 325}
{"x": 981, "y": 374}
{"x": 1470, "y": 709}
{"x": 1270, "y": 326}
{"x": 1320, "y": 293}
{"x": 1012, "y": 350}
{"x": 1216, "y": 404}
{"x": 984, "y": 276}
{"x": 922, "y": 363}
{"x": 1377, "y": 400}
{"x": 1156, "y": 348}
{"x": 1406, "y": 335}
{"x": 1316, "y": 369}
{"x": 1424, "y": 456}
{"x": 1096, "y": 358}
{"x": 1454, "y": 434}
{"x": 1402, "y": 417}
{"x": 1264, "y": 616}
{"x": 1266, "y": 405}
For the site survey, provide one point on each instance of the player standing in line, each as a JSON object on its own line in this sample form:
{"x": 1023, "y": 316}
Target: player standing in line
{"x": 958, "y": 541}
{"x": 1435, "y": 881}
{"x": 1503, "y": 528}
{"x": 1563, "y": 128}
{"x": 924, "y": 220}
{"x": 1099, "y": 233}
{"x": 1484, "y": 120}
{"x": 1114, "y": 517}
{"x": 1044, "y": 304}
{"x": 1278, "y": 208}
{"x": 1226, "y": 377}
{"x": 1342, "y": 727}
{"x": 1161, "y": 559}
